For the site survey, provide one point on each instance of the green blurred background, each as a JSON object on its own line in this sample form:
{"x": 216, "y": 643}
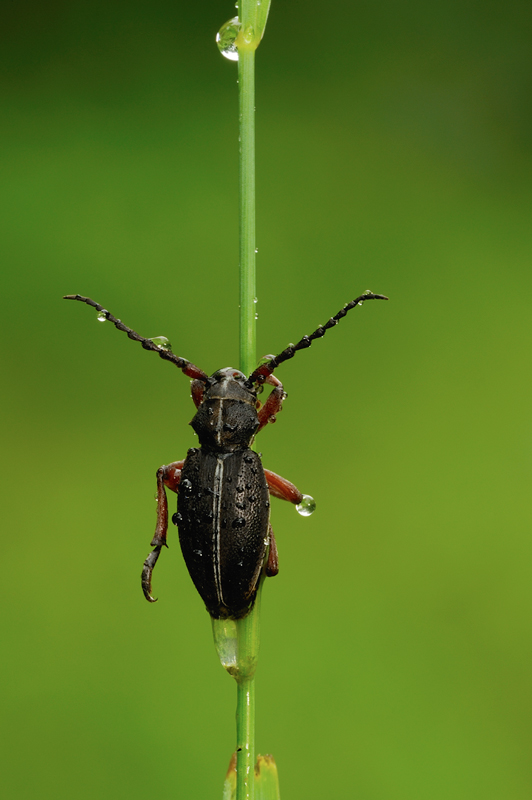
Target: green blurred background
{"x": 394, "y": 145}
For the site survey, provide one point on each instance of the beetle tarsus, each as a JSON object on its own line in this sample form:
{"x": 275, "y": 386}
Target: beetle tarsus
{"x": 147, "y": 571}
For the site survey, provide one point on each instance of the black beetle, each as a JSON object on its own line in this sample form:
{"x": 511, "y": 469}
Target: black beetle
{"x": 223, "y": 512}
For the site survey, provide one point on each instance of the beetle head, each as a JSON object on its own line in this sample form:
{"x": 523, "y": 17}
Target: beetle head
{"x": 227, "y": 374}
{"x": 230, "y": 383}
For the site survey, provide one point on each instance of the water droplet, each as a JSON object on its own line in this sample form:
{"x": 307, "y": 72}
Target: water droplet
{"x": 256, "y": 300}
{"x": 368, "y": 291}
{"x": 197, "y": 552}
{"x": 265, "y": 359}
{"x": 307, "y": 506}
{"x": 226, "y": 38}
{"x": 256, "y": 315}
{"x": 248, "y": 35}
{"x": 360, "y": 303}
{"x": 176, "y": 518}
{"x": 102, "y": 315}
{"x": 162, "y": 342}
{"x": 256, "y": 249}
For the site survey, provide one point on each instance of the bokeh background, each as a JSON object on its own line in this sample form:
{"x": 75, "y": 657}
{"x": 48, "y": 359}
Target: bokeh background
{"x": 394, "y": 145}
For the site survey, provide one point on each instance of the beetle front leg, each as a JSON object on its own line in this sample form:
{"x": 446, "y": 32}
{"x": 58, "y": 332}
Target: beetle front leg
{"x": 169, "y": 476}
{"x": 197, "y": 390}
{"x": 268, "y": 412}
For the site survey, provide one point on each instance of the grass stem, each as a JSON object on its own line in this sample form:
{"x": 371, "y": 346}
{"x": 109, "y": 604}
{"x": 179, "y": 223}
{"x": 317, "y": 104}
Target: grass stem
{"x": 246, "y": 107}
{"x": 245, "y": 711}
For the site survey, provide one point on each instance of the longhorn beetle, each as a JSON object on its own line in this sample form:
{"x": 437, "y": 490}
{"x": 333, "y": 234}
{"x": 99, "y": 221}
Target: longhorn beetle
{"x": 223, "y": 491}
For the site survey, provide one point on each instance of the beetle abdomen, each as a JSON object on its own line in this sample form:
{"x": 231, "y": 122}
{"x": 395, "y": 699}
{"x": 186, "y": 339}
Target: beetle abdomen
{"x": 223, "y": 521}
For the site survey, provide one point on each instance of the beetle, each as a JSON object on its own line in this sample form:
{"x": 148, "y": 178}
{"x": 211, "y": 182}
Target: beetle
{"x": 223, "y": 514}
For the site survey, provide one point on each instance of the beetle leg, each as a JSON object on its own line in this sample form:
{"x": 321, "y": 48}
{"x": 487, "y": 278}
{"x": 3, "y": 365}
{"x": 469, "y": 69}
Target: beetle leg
{"x": 274, "y": 403}
{"x": 197, "y": 388}
{"x": 166, "y": 476}
{"x": 283, "y": 489}
{"x": 147, "y": 570}
{"x": 272, "y": 565}
{"x": 171, "y": 475}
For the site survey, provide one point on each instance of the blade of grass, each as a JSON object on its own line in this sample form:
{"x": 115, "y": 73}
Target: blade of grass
{"x": 266, "y": 779}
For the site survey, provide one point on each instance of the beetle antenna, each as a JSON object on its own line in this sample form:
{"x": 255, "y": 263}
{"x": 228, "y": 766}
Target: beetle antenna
{"x": 186, "y": 366}
{"x": 263, "y": 370}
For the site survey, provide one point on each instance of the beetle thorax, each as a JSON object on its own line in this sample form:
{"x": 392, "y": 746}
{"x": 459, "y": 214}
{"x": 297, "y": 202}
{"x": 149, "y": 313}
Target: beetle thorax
{"x": 227, "y": 417}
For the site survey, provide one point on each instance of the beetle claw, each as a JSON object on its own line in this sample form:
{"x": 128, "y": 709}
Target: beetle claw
{"x": 147, "y": 570}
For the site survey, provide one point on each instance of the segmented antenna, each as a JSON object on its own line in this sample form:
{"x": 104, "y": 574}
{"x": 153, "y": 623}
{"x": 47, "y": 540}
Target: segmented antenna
{"x": 263, "y": 370}
{"x": 188, "y": 368}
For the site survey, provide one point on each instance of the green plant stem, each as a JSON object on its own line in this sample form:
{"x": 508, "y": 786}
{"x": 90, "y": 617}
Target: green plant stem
{"x": 246, "y": 104}
{"x": 248, "y": 638}
{"x": 245, "y": 738}
{"x": 247, "y": 628}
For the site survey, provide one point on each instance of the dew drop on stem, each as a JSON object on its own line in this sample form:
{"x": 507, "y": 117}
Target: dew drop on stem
{"x": 226, "y": 38}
